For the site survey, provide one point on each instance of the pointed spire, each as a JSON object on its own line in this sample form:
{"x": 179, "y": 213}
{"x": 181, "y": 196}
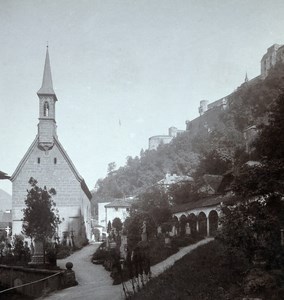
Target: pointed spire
{"x": 47, "y": 86}
{"x": 246, "y": 78}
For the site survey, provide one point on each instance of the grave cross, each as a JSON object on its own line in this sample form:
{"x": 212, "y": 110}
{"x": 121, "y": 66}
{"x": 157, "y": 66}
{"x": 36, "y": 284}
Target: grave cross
{"x": 7, "y": 229}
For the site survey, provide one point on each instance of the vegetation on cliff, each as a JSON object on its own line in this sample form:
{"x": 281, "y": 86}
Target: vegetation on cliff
{"x": 211, "y": 150}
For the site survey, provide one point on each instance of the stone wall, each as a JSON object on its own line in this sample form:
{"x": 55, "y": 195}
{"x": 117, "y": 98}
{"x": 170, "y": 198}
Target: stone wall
{"x": 16, "y": 276}
{"x": 51, "y": 169}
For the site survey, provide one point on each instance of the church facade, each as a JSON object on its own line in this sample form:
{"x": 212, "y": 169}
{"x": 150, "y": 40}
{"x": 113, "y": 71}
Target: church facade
{"x": 47, "y": 162}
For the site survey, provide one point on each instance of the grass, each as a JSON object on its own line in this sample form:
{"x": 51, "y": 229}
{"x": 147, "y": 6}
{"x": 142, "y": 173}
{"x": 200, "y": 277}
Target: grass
{"x": 203, "y": 274}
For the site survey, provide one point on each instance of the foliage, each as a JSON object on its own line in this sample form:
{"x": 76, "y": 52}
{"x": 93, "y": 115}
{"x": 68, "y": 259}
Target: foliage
{"x": 133, "y": 227}
{"x": 215, "y": 140}
{"x": 141, "y": 173}
{"x": 183, "y": 192}
{"x": 111, "y": 167}
{"x": 253, "y": 225}
{"x": 40, "y": 215}
{"x": 270, "y": 143}
{"x": 155, "y": 203}
{"x": 18, "y": 246}
{"x": 201, "y": 274}
{"x": 216, "y": 162}
{"x": 108, "y": 227}
{"x": 117, "y": 224}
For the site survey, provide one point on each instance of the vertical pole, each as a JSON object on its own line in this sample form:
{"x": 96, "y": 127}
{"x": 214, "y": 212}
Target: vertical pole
{"x": 282, "y": 237}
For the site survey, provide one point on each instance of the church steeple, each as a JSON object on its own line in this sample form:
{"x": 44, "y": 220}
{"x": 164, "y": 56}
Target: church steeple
{"x": 47, "y": 85}
{"x": 47, "y": 100}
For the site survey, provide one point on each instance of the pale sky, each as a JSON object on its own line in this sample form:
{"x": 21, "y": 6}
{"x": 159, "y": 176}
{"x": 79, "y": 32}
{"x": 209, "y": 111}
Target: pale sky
{"x": 143, "y": 63}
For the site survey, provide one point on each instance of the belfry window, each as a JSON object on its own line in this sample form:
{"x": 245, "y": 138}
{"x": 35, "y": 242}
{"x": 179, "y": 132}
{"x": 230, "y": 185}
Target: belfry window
{"x": 55, "y": 160}
{"x": 45, "y": 109}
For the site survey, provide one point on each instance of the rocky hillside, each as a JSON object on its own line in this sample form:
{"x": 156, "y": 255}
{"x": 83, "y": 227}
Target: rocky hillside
{"x": 216, "y": 141}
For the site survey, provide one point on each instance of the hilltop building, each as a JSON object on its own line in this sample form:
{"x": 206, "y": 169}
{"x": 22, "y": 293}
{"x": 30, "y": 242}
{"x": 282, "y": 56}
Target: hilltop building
{"x": 274, "y": 54}
{"x": 47, "y": 162}
{"x": 155, "y": 141}
{"x": 209, "y": 112}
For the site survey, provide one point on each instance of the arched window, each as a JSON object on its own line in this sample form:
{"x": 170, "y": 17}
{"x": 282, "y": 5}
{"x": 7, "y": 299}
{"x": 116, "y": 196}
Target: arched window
{"x": 45, "y": 109}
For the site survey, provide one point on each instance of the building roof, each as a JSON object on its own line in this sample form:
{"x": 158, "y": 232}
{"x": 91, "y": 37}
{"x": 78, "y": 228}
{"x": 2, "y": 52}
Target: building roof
{"x": 4, "y": 175}
{"x": 47, "y": 85}
{"x": 171, "y": 179}
{"x": 121, "y": 203}
{"x": 66, "y": 157}
{"x": 204, "y": 202}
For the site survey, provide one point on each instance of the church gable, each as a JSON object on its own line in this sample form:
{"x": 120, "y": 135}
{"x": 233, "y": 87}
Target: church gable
{"x": 52, "y": 168}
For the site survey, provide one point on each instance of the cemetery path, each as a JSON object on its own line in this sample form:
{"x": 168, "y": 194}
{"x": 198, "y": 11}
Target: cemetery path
{"x": 95, "y": 283}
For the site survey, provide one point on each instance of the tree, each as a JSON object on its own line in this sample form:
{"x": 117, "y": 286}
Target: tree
{"x": 108, "y": 227}
{"x": 133, "y": 227}
{"x": 183, "y": 192}
{"x": 253, "y": 224}
{"x": 117, "y": 224}
{"x": 41, "y": 218}
{"x": 111, "y": 167}
{"x": 155, "y": 203}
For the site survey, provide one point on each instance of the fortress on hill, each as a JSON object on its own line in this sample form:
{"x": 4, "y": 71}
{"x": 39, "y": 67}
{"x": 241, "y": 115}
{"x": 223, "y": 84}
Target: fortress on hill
{"x": 274, "y": 54}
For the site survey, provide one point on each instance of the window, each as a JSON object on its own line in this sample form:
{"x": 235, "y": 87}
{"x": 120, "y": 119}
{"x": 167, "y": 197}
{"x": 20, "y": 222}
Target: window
{"x": 38, "y": 160}
{"x": 45, "y": 109}
{"x": 55, "y": 160}
{"x": 116, "y": 209}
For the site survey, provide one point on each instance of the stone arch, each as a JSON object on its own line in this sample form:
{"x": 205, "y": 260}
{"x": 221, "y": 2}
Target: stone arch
{"x": 192, "y": 220}
{"x": 175, "y": 219}
{"x": 213, "y": 222}
{"x": 182, "y": 222}
{"x": 202, "y": 223}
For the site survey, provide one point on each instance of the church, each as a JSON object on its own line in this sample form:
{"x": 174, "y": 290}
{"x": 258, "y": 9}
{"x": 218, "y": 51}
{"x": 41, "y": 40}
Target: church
{"x": 47, "y": 162}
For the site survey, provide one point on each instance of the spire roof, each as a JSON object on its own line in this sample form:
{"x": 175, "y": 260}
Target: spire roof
{"x": 47, "y": 86}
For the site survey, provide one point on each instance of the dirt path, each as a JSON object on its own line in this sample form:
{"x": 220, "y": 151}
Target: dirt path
{"x": 94, "y": 282}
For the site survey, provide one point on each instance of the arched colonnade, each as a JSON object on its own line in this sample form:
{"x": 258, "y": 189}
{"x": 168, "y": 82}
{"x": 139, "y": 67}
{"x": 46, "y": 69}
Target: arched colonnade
{"x": 204, "y": 220}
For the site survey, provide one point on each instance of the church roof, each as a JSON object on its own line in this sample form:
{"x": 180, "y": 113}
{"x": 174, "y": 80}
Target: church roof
{"x": 127, "y": 202}
{"x": 67, "y": 159}
{"x": 47, "y": 85}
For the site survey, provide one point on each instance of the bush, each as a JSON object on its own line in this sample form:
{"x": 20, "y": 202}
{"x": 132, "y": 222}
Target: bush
{"x": 159, "y": 252}
{"x": 63, "y": 251}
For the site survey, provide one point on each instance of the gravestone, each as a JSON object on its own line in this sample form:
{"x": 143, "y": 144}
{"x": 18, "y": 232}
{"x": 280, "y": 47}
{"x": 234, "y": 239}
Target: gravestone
{"x": 187, "y": 229}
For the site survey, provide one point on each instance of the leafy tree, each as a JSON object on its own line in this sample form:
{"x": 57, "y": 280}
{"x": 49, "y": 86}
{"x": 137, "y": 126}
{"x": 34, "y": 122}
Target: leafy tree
{"x": 216, "y": 162}
{"x": 253, "y": 224}
{"x": 117, "y": 224}
{"x": 154, "y": 202}
{"x": 183, "y": 192}
{"x": 133, "y": 227}
{"x": 111, "y": 167}
{"x": 108, "y": 227}
{"x": 18, "y": 246}
{"x": 41, "y": 218}
{"x": 270, "y": 143}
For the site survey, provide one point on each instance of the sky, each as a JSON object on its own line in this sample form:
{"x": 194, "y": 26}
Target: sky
{"x": 123, "y": 70}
